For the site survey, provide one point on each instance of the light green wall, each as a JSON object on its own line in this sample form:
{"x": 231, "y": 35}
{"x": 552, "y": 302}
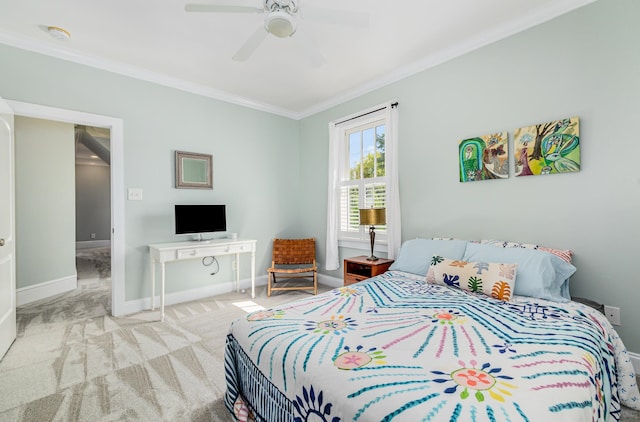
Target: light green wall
{"x": 45, "y": 201}
{"x": 586, "y": 64}
{"x": 254, "y": 158}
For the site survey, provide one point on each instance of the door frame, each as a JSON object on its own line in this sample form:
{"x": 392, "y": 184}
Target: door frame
{"x": 117, "y": 182}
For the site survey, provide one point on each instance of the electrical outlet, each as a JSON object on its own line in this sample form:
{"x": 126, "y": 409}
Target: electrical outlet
{"x": 135, "y": 194}
{"x": 93, "y": 235}
{"x": 613, "y": 314}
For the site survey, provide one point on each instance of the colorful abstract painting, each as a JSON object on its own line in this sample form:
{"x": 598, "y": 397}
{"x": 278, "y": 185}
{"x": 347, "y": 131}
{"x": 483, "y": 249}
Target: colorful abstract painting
{"x": 485, "y": 157}
{"x": 548, "y": 148}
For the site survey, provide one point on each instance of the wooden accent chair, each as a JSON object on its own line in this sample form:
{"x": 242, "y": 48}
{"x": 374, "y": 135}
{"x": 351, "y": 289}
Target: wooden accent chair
{"x": 293, "y": 258}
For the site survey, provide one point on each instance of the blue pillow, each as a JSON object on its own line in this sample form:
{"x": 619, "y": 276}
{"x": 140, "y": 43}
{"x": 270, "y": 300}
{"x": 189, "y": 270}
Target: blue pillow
{"x": 415, "y": 254}
{"x": 540, "y": 274}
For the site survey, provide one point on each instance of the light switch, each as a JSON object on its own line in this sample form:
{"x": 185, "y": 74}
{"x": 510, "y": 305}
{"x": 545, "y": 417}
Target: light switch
{"x": 135, "y": 194}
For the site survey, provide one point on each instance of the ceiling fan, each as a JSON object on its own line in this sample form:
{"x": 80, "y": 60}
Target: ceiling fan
{"x": 281, "y": 20}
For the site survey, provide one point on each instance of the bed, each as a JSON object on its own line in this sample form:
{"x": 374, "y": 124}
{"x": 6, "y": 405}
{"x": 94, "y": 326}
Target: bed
{"x": 422, "y": 342}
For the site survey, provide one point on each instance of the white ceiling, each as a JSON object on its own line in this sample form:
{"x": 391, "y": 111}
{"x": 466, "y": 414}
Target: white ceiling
{"x": 160, "y": 42}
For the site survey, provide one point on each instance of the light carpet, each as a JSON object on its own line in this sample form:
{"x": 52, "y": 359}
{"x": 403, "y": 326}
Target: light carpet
{"x": 73, "y": 362}
{"x": 92, "y": 262}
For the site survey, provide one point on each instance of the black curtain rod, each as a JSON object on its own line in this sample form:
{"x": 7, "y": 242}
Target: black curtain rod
{"x": 393, "y": 105}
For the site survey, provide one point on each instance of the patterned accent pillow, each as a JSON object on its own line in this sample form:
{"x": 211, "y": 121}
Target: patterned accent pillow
{"x": 493, "y": 279}
{"x": 564, "y": 254}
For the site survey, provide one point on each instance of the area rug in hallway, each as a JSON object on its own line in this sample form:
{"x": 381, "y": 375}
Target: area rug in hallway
{"x": 91, "y": 261}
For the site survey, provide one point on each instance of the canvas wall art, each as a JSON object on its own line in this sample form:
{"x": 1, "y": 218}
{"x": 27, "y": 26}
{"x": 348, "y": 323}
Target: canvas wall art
{"x": 548, "y": 148}
{"x": 485, "y": 157}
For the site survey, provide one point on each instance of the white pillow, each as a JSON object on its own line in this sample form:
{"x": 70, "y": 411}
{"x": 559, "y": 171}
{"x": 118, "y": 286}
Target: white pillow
{"x": 415, "y": 254}
{"x": 540, "y": 274}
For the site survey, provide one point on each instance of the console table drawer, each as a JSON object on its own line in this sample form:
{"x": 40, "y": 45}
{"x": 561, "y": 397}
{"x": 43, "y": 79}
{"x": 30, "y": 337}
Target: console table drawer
{"x": 212, "y": 251}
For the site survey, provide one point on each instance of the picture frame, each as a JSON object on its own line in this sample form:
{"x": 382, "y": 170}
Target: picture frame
{"x": 548, "y": 148}
{"x": 484, "y": 157}
{"x": 194, "y": 170}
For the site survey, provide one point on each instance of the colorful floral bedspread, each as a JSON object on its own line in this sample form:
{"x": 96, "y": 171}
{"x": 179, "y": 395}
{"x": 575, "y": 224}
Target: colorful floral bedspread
{"x": 394, "y": 348}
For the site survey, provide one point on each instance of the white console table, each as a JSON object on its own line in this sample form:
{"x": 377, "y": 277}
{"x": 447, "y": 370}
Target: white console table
{"x": 179, "y": 251}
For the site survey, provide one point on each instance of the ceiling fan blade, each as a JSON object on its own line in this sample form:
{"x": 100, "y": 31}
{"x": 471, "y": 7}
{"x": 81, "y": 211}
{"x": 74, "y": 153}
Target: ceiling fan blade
{"x": 310, "y": 49}
{"x": 251, "y": 44}
{"x": 337, "y": 17}
{"x": 221, "y": 8}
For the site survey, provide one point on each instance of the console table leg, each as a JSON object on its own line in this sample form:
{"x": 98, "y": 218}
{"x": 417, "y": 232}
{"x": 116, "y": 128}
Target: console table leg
{"x": 153, "y": 284}
{"x": 253, "y": 275}
{"x": 162, "y": 294}
{"x": 237, "y": 272}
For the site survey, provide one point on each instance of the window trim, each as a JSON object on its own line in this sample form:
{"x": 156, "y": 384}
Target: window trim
{"x": 351, "y": 125}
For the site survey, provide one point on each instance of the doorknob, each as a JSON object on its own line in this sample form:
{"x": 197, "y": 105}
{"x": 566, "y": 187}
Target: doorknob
{"x": 1, "y": 242}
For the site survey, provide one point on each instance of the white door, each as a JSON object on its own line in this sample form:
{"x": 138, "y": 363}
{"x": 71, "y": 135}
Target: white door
{"x": 7, "y": 229}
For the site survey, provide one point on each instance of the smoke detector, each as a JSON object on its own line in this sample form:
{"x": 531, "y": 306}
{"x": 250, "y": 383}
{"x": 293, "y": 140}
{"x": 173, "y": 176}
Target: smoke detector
{"x": 58, "y": 33}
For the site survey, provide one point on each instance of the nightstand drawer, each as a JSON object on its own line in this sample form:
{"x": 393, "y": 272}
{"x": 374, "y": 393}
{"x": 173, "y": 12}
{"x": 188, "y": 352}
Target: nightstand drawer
{"x": 352, "y": 278}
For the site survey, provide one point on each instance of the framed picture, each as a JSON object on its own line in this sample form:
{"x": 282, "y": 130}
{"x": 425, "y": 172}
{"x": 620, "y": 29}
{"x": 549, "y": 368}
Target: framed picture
{"x": 484, "y": 157}
{"x": 194, "y": 171}
{"x": 548, "y": 148}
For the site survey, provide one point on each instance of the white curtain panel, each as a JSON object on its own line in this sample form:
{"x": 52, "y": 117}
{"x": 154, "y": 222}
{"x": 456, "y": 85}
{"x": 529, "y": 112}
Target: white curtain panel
{"x": 394, "y": 224}
{"x": 333, "y": 219}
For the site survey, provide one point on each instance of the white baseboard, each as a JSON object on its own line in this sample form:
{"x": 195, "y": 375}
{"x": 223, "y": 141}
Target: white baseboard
{"x": 635, "y": 360}
{"x": 44, "y": 290}
{"x": 85, "y": 244}
{"x": 139, "y": 305}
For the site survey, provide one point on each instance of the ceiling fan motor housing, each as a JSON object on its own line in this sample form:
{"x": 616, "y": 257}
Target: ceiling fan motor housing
{"x": 272, "y": 5}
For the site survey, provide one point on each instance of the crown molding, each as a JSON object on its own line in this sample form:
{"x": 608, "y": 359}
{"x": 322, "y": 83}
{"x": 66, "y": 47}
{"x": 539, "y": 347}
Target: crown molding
{"x": 491, "y": 35}
{"x": 30, "y": 44}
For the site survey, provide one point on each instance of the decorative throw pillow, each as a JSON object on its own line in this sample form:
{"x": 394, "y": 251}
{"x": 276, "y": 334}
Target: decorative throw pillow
{"x": 493, "y": 279}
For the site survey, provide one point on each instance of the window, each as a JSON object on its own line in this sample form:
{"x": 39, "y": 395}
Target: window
{"x": 363, "y": 181}
{"x": 363, "y": 172}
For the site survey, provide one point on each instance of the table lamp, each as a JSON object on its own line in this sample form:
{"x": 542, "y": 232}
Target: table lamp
{"x": 372, "y": 217}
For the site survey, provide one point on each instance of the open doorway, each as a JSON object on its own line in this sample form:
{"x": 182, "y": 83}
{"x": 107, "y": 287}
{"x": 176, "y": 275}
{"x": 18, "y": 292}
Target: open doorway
{"x": 93, "y": 206}
{"x": 115, "y": 126}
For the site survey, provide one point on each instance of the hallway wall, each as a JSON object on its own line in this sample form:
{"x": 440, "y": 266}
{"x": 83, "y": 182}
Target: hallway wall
{"x": 93, "y": 202}
{"x": 45, "y": 202}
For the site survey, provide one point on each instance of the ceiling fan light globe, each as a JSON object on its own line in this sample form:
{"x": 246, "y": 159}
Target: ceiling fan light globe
{"x": 280, "y": 24}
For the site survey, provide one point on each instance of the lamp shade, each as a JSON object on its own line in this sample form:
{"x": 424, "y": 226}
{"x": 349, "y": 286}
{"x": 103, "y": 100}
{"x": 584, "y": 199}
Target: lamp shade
{"x": 373, "y": 216}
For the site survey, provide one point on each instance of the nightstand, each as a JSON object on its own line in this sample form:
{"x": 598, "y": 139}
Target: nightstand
{"x": 358, "y": 268}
